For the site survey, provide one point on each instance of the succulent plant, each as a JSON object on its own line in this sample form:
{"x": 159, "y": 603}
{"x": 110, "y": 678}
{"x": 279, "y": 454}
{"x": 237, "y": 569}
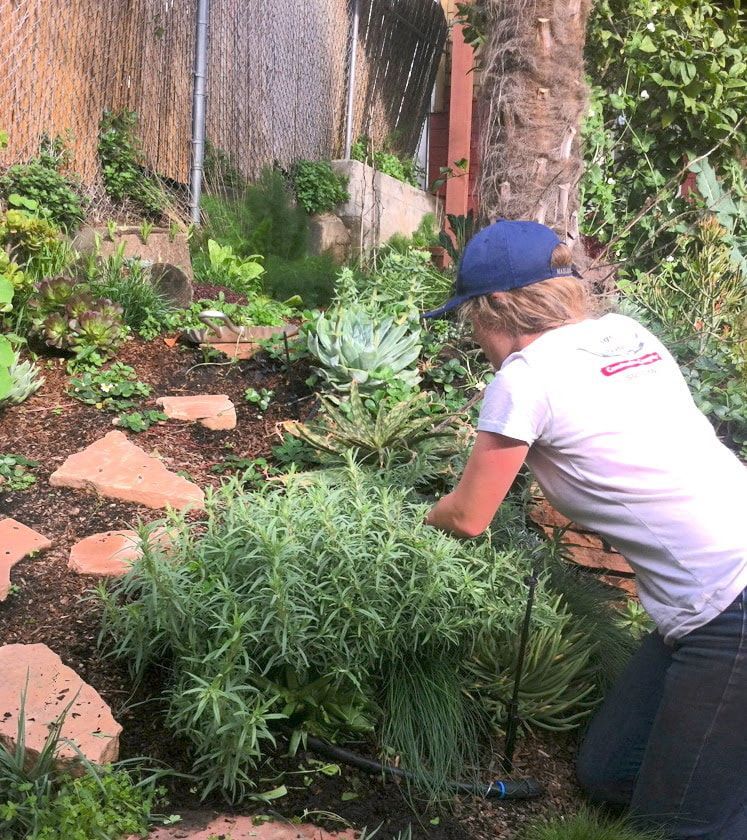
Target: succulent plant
{"x": 53, "y": 293}
{"x": 78, "y": 304}
{"x": 101, "y": 328}
{"x": 354, "y": 346}
{"x": 25, "y": 381}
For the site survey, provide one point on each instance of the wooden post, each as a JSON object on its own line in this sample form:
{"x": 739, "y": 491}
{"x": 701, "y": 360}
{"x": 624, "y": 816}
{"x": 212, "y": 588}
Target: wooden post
{"x": 460, "y": 120}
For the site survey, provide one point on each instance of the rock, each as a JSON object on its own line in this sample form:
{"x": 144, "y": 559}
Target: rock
{"x": 328, "y": 235}
{"x": 115, "y": 467}
{"x": 214, "y": 411}
{"x": 105, "y": 555}
{"x": 16, "y": 542}
{"x": 243, "y": 828}
{"x": 50, "y": 687}
{"x": 171, "y": 264}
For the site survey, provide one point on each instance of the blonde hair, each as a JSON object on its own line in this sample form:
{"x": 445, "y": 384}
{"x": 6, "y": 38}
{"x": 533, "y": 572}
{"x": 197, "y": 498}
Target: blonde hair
{"x": 535, "y": 308}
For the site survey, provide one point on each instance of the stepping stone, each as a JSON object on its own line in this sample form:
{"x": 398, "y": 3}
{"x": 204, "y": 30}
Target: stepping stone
{"x": 50, "y": 687}
{"x": 111, "y": 553}
{"x": 243, "y": 828}
{"x": 16, "y": 542}
{"x": 115, "y": 467}
{"x": 211, "y": 411}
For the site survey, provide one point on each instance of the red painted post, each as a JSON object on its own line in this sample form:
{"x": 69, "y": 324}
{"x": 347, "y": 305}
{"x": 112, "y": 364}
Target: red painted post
{"x": 460, "y": 120}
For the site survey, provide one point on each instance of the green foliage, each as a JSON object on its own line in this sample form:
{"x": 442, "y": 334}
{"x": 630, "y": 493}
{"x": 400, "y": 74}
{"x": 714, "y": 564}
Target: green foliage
{"x": 474, "y": 16}
{"x": 386, "y": 160}
{"x": 257, "y": 311}
{"x": 352, "y": 346}
{"x": 403, "y": 284}
{"x": 24, "y": 381}
{"x": 311, "y": 278}
{"x": 669, "y": 86}
{"x": 27, "y": 235}
{"x": 587, "y": 825}
{"x": 408, "y": 436}
{"x": 7, "y": 356}
{"x": 55, "y": 196}
{"x": 318, "y": 187}
{"x": 463, "y": 229}
{"x": 261, "y": 398}
{"x": 115, "y": 388}
{"x": 635, "y": 619}
{"x": 65, "y": 315}
{"x": 11, "y": 272}
{"x": 140, "y": 421}
{"x": 41, "y": 802}
{"x": 333, "y": 576}
{"x": 424, "y": 237}
{"x": 127, "y": 283}
{"x": 15, "y": 472}
{"x": 225, "y": 268}
{"x": 123, "y": 164}
{"x": 264, "y": 220}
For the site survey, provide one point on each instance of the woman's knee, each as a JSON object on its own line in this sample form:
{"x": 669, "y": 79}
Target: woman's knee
{"x": 601, "y": 779}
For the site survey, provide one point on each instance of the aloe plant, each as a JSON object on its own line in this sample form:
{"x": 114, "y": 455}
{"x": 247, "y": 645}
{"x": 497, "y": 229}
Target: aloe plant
{"x": 354, "y": 346}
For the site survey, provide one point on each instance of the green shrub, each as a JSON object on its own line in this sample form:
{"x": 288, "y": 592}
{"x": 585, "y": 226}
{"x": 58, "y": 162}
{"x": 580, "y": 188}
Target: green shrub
{"x": 395, "y": 283}
{"x": 587, "y": 825}
{"x": 311, "y": 278}
{"x": 39, "y": 181}
{"x": 222, "y": 267}
{"x": 264, "y": 220}
{"x": 318, "y": 187}
{"x": 123, "y": 164}
{"x": 297, "y": 602}
{"x": 424, "y": 237}
{"x": 386, "y": 160}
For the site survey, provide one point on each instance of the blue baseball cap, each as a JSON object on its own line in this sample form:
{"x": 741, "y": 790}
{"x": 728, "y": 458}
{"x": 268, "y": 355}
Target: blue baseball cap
{"x": 505, "y": 255}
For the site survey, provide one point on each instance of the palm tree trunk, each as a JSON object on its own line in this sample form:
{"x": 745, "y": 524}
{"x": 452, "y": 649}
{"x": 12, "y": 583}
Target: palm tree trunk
{"x": 533, "y": 97}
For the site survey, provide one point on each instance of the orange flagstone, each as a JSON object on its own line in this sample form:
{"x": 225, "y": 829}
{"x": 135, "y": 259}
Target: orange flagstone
{"x": 115, "y": 467}
{"x": 50, "y": 688}
{"x": 214, "y": 411}
{"x": 16, "y": 542}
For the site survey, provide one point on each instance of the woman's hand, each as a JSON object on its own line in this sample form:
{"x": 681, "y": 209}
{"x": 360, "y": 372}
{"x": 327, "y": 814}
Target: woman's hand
{"x": 490, "y": 471}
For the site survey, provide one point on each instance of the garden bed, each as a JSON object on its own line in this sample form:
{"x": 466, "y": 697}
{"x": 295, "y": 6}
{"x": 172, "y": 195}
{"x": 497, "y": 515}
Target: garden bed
{"x": 46, "y": 602}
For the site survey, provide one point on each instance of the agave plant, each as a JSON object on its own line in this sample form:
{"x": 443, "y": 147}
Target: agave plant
{"x": 354, "y": 346}
{"x": 387, "y": 435}
{"x": 25, "y": 381}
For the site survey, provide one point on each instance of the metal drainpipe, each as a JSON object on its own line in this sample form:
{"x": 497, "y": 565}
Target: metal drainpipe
{"x": 352, "y": 62}
{"x": 199, "y": 97}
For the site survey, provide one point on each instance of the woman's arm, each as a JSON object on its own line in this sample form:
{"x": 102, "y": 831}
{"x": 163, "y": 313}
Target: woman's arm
{"x": 491, "y": 469}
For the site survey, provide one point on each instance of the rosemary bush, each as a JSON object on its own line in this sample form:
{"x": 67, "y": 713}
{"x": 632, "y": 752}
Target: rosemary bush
{"x": 296, "y": 602}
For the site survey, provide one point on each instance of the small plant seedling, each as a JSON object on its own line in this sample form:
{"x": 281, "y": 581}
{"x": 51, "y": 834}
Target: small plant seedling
{"x": 146, "y": 228}
{"x": 111, "y": 230}
{"x": 173, "y": 230}
{"x": 15, "y": 472}
{"x": 139, "y": 421}
{"x": 261, "y": 398}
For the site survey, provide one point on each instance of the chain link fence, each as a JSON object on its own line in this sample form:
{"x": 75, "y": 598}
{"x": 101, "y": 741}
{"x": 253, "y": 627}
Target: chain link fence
{"x": 277, "y": 81}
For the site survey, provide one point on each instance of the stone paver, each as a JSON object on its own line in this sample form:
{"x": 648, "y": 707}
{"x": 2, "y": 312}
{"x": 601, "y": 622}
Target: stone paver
{"x": 115, "y": 467}
{"x": 111, "y": 553}
{"x": 50, "y": 687}
{"x": 16, "y": 542}
{"x": 243, "y": 828}
{"x": 214, "y": 411}
{"x": 105, "y": 555}
{"x": 245, "y": 344}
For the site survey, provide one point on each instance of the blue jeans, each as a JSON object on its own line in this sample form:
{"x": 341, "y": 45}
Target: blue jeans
{"x": 670, "y": 740}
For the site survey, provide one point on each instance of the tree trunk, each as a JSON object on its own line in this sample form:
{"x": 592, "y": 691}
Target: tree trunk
{"x": 533, "y": 98}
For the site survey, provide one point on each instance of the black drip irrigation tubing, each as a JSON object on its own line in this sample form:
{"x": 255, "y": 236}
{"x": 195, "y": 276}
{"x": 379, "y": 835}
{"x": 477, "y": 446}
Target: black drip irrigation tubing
{"x": 505, "y": 789}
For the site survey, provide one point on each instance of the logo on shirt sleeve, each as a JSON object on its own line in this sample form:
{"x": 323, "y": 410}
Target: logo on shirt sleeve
{"x": 628, "y": 364}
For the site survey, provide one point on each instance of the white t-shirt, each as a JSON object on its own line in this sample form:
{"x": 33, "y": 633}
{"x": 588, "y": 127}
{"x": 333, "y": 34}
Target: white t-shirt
{"x": 618, "y": 445}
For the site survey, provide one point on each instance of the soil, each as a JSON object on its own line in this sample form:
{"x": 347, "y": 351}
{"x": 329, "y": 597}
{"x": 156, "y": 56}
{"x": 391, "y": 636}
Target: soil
{"x": 55, "y": 606}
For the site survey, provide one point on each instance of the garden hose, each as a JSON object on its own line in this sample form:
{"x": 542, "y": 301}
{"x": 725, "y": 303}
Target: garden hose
{"x": 503, "y": 789}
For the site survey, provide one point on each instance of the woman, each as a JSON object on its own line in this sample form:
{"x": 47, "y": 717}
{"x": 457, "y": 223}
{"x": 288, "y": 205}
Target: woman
{"x": 599, "y": 411}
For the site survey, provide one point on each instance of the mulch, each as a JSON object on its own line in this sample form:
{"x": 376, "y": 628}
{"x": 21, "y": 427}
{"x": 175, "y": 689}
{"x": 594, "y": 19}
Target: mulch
{"x": 56, "y": 607}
